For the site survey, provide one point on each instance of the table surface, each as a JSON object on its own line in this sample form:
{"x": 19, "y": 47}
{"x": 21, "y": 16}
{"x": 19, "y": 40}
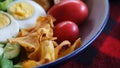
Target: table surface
{"x": 104, "y": 52}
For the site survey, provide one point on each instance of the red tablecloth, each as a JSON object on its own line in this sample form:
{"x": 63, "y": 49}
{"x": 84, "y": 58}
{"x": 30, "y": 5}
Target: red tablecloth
{"x": 104, "y": 52}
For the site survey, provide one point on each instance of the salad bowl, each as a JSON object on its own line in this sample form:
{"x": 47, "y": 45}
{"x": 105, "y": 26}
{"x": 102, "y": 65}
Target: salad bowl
{"x": 33, "y": 35}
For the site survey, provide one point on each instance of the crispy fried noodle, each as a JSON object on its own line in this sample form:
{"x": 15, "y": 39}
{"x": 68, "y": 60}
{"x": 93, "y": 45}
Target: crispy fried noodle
{"x": 40, "y": 45}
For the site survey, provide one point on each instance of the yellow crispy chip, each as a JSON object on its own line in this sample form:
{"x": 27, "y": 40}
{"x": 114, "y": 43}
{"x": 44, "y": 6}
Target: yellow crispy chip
{"x": 44, "y": 52}
{"x": 30, "y": 38}
{"x": 47, "y": 51}
{"x": 69, "y": 48}
{"x": 42, "y": 22}
{"x": 40, "y": 45}
{"x": 29, "y": 42}
{"x": 29, "y": 64}
{"x": 59, "y": 48}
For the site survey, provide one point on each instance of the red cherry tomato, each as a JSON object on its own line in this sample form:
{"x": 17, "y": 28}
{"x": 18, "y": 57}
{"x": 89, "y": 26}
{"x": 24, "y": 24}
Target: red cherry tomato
{"x": 66, "y": 30}
{"x": 73, "y": 10}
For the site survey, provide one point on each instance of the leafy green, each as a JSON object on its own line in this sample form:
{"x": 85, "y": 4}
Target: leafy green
{"x": 1, "y": 52}
{"x": 2, "y": 44}
{"x": 4, "y": 4}
{"x": 2, "y": 0}
{"x": 5, "y": 63}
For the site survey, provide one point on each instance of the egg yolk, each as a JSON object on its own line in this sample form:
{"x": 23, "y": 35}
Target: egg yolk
{"x": 4, "y": 20}
{"x": 21, "y": 10}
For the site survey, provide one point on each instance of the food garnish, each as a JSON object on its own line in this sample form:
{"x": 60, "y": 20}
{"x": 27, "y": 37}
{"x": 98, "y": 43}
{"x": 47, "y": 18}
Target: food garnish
{"x": 38, "y": 43}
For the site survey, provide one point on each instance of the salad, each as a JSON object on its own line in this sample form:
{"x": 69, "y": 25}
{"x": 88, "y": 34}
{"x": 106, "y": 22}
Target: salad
{"x": 35, "y": 32}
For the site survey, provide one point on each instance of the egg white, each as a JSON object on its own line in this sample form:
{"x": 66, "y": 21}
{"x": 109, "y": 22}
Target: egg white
{"x": 10, "y": 30}
{"x": 29, "y": 22}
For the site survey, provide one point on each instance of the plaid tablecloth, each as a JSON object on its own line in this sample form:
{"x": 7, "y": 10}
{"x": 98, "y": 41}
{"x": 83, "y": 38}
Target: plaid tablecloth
{"x": 104, "y": 52}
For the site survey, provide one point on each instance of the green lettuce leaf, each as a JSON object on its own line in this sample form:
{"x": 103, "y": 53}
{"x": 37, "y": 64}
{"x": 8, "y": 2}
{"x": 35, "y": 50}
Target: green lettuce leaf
{"x": 4, "y": 4}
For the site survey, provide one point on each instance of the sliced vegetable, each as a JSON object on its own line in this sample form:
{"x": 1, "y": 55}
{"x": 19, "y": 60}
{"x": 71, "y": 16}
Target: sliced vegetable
{"x": 11, "y": 51}
{"x": 5, "y": 63}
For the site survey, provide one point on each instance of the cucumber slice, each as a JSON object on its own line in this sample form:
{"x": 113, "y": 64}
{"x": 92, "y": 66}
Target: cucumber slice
{"x": 5, "y": 63}
{"x": 11, "y": 51}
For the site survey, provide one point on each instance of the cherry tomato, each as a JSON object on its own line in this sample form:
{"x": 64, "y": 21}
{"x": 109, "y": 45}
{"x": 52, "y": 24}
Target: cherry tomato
{"x": 66, "y": 30}
{"x": 74, "y": 10}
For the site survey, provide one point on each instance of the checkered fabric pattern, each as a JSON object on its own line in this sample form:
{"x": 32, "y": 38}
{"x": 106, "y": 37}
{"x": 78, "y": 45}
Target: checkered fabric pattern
{"x": 104, "y": 52}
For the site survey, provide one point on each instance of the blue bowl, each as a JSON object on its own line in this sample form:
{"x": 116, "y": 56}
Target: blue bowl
{"x": 90, "y": 30}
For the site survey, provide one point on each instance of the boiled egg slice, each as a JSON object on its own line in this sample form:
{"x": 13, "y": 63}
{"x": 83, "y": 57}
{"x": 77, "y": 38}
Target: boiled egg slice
{"x": 25, "y": 12}
{"x": 8, "y": 26}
